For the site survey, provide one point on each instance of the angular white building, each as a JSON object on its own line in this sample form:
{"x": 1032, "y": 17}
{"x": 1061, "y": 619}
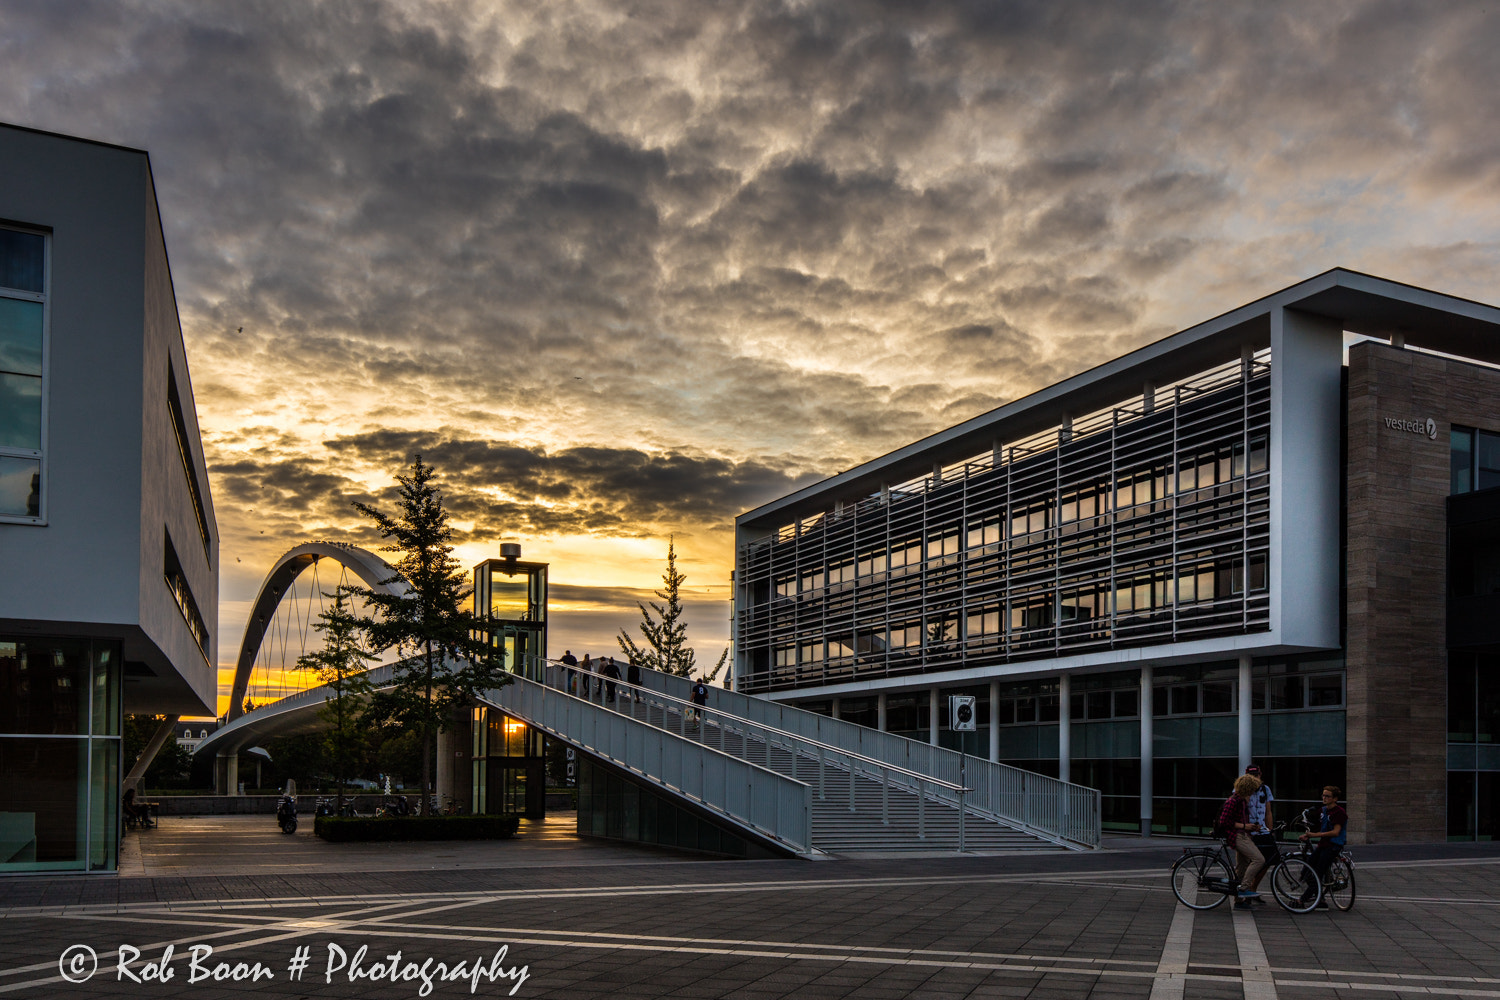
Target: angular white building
{"x": 109, "y": 594}
{"x": 1241, "y": 542}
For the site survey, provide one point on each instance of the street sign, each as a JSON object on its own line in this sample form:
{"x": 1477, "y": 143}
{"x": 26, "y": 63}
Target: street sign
{"x": 961, "y": 713}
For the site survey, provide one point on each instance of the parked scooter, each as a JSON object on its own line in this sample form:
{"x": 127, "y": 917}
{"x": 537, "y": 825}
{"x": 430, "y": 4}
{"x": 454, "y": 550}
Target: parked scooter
{"x": 286, "y": 808}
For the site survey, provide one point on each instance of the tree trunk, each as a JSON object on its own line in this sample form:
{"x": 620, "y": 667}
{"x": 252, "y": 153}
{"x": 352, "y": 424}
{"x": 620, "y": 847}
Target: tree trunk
{"x": 427, "y": 736}
{"x": 341, "y": 754}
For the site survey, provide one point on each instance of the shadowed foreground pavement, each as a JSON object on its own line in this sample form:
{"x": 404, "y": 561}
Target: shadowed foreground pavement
{"x": 593, "y": 920}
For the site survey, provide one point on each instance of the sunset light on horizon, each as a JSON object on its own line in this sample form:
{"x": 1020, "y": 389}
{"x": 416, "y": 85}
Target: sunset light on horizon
{"x": 621, "y": 272}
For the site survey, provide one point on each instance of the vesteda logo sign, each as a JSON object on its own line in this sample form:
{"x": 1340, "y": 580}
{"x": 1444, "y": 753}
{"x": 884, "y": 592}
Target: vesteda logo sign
{"x": 1415, "y": 425}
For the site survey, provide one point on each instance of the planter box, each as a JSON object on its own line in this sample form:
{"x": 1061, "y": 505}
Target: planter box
{"x": 345, "y": 829}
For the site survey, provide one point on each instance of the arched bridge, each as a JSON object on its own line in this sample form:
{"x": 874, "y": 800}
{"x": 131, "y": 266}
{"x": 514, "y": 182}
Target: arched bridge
{"x": 373, "y": 571}
{"x": 792, "y": 781}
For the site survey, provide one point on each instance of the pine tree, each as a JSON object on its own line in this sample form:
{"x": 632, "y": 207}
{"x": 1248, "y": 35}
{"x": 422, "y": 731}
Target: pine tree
{"x": 428, "y": 623}
{"x": 664, "y": 632}
{"x": 341, "y": 665}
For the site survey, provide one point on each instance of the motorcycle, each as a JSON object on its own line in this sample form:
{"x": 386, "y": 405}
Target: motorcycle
{"x": 286, "y": 809}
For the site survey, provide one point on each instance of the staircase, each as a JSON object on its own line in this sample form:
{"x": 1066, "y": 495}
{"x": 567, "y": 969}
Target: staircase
{"x": 857, "y": 803}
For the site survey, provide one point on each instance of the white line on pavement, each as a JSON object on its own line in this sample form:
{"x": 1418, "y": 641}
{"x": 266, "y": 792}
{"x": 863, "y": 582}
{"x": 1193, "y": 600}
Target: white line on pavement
{"x": 1171, "y": 971}
{"x": 1255, "y": 971}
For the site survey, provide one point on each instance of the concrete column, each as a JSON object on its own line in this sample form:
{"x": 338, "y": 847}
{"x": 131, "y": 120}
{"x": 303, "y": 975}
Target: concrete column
{"x": 1064, "y": 727}
{"x": 834, "y": 710}
{"x": 444, "y": 770}
{"x": 231, "y": 761}
{"x": 994, "y": 729}
{"x": 1146, "y": 737}
{"x": 932, "y": 716}
{"x": 1245, "y": 703}
{"x": 880, "y": 712}
{"x": 164, "y": 732}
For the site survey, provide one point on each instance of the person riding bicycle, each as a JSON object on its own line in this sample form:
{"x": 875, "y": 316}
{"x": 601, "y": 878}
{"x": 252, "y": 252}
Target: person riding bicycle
{"x": 1235, "y": 827}
{"x": 1331, "y": 836}
{"x": 1259, "y": 808}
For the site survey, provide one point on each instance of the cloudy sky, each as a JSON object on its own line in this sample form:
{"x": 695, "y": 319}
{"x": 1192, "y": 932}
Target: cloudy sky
{"x": 624, "y": 270}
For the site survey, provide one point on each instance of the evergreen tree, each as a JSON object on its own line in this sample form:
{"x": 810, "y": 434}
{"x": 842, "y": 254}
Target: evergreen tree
{"x": 341, "y": 665}
{"x": 664, "y": 632}
{"x": 428, "y": 624}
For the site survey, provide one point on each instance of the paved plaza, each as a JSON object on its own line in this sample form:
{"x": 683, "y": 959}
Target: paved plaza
{"x": 548, "y": 915}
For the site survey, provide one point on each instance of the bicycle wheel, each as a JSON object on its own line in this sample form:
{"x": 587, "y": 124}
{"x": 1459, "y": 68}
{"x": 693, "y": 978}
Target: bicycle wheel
{"x": 1340, "y": 886}
{"x": 1200, "y": 881}
{"x": 1295, "y": 885}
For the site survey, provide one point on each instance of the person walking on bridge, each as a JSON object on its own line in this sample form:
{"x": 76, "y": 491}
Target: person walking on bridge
{"x": 571, "y": 662}
{"x": 586, "y": 674}
{"x": 633, "y": 676}
{"x": 611, "y": 670}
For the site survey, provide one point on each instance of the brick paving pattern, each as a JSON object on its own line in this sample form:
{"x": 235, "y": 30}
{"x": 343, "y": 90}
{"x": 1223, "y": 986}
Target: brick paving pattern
{"x": 590, "y": 920}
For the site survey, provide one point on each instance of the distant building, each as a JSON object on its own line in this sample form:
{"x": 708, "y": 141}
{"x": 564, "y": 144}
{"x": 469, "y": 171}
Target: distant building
{"x": 109, "y": 596}
{"x": 190, "y": 734}
{"x": 1231, "y": 544}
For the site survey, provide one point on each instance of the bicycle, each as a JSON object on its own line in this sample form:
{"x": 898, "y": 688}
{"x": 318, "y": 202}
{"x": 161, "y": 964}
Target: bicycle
{"x": 1204, "y": 877}
{"x": 1338, "y": 888}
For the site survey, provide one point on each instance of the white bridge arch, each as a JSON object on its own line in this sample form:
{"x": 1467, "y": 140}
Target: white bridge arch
{"x": 373, "y": 571}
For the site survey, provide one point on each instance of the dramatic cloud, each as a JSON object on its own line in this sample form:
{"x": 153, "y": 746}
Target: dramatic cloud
{"x": 624, "y": 269}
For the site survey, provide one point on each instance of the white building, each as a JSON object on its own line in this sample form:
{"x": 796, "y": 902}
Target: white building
{"x": 1234, "y": 544}
{"x": 107, "y": 535}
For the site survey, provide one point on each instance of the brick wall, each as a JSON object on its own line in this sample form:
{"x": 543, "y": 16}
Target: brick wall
{"x": 1398, "y": 480}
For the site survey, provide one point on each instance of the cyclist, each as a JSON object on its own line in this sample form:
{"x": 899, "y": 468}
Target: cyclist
{"x": 1235, "y": 827}
{"x": 1332, "y": 835}
{"x": 1259, "y": 808}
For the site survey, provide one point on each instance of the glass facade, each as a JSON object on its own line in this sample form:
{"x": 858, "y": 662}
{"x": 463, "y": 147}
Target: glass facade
{"x": 1297, "y": 733}
{"x": 613, "y": 807}
{"x": 1138, "y": 525}
{"x": 508, "y": 764}
{"x": 1473, "y": 746}
{"x": 59, "y": 754}
{"x": 512, "y": 598}
{"x": 1474, "y": 459}
{"x": 23, "y": 326}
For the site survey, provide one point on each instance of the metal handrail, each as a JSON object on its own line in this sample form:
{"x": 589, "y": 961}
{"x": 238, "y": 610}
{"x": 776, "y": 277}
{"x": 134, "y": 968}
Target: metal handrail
{"x": 888, "y": 774}
{"x": 750, "y": 795}
{"x": 687, "y": 703}
{"x": 1062, "y": 812}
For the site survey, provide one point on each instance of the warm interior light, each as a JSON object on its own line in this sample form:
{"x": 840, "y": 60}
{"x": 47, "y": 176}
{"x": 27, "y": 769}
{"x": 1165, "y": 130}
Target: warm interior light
{"x": 512, "y": 726}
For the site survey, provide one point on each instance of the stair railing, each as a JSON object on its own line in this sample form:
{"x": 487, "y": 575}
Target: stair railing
{"x": 775, "y": 805}
{"x": 756, "y": 741}
{"x": 1060, "y": 811}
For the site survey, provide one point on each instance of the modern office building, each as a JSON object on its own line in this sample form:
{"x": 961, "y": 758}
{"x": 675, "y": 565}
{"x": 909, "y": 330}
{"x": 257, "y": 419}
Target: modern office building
{"x": 109, "y": 592}
{"x": 1272, "y": 536}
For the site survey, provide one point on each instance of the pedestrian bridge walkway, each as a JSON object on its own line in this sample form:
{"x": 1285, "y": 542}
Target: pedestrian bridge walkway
{"x": 793, "y": 781}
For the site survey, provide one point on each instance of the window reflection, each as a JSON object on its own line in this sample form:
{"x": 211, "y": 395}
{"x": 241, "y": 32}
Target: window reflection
{"x": 20, "y": 411}
{"x": 20, "y": 486}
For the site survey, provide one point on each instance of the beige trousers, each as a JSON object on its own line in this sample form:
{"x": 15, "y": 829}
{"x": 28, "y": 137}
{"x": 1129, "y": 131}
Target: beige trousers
{"x": 1250, "y": 862}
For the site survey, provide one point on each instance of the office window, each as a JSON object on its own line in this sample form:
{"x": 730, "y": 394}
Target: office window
{"x": 1461, "y": 459}
{"x": 179, "y": 428}
{"x": 984, "y": 532}
{"x": 23, "y": 318}
{"x": 183, "y": 595}
{"x": 1474, "y": 459}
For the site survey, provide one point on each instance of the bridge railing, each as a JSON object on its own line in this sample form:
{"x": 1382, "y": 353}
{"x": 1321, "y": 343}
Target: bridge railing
{"x": 774, "y": 805}
{"x": 770, "y": 747}
{"x": 1060, "y": 811}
